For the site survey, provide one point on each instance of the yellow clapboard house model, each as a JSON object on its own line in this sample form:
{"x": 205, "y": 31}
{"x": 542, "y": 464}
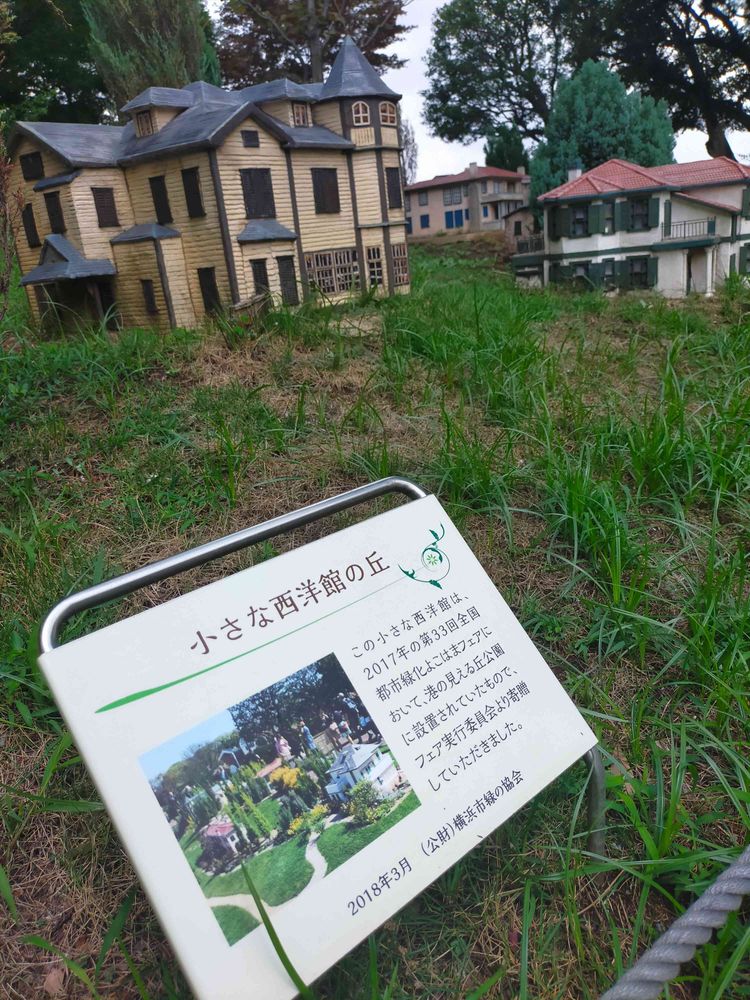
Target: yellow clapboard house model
{"x": 210, "y": 198}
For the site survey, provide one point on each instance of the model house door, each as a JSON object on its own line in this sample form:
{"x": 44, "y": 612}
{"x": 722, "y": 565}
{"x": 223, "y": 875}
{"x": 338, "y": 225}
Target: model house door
{"x": 288, "y": 281}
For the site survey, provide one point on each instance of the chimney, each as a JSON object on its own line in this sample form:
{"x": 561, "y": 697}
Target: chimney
{"x": 521, "y": 170}
{"x": 472, "y": 170}
{"x": 575, "y": 170}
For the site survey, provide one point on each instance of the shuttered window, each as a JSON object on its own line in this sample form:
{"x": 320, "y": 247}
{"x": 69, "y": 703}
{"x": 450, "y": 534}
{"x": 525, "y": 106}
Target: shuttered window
{"x": 144, "y": 123}
{"x": 638, "y": 272}
{"x": 209, "y": 289}
{"x": 160, "y": 199}
{"x": 387, "y": 113}
{"x": 400, "y": 264}
{"x": 149, "y": 298}
{"x": 106, "y": 210}
{"x": 191, "y": 183}
{"x": 638, "y": 213}
{"x": 422, "y": 197}
{"x": 608, "y": 217}
{"x": 301, "y": 114}
{"x": 333, "y": 271}
{"x": 250, "y": 138}
{"x": 288, "y": 281}
{"x": 579, "y": 220}
{"x": 32, "y": 166}
{"x": 54, "y": 211}
{"x": 424, "y": 222}
{"x": 375, "y": 266}
{"x": 393, "y": 186}
{"x": 257, "y": 190}
{"x": 260, "y": 277}
{"x": 325, "y": 184}
{"x": 29, "y": 226}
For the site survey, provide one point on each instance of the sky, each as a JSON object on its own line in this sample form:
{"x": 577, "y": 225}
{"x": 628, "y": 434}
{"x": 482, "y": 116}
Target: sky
{"x": 438, "y": 157}
{"x": 157, "y": 761}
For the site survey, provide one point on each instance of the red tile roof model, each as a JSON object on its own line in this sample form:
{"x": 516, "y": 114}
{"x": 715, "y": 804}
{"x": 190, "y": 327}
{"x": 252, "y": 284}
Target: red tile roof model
{"x": 620, "y": 175}
{"x": 218, "y": 829}
{"x": 269, "y": 769}
{"x": 441, "y": 180}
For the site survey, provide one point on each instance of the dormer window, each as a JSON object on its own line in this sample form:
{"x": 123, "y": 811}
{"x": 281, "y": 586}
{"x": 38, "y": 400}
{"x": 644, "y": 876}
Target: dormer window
{"x": 144, "y": 123}
{"x": 388, "y": 113}
{"x": 360, "y": 113}
{"x": 301, "y": 115}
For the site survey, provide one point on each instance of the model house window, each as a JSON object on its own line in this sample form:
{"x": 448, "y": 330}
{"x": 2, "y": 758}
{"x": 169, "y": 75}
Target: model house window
{"x": 483, "y": 187}
{"x": 149, "y": 299}
{"x": 29, "y": 226}
{"x": 393, "y": 186}
{"x": 638, "y": 269}
{"x": 424, "y": 222}
{"x": 160, "y": 199}
{"x": 301, "y": 114}
{"x": 465, "y": 190}
{"x": 400, "y": 264}
{"x": 449, "y": 220}
{"x": 209, "y": 289}
{"x": 511, "y": 187}
{"x": 581, "y": 270}
{"x": 608, "y": 272}
{"x": 517, "y": 228}
{"x": 32, "y": 166}
{"x": 374, "y": 266}
{"x": 639, "y": 213}
{"x": 257, "y": 190}
{"x": 387, "y": 113}
{"x": 250, "y": 138}
{"x": 54, "y": 211}
{"x": 332, "y": 271}
{"x": 260, "y": 277}
{"x": 407, "y": 202}
{"x": 191, "y": 183}
{"x": 144, "y": 123}
{"x": 360, "y": 113}
{"x": 325, "y": 184}
{"x": 452, "y": 195}
{"x": 288, "y": 281}
{"x": 496, "y": 187}
{"x": 422, "y": 197}
{"x": 579, "y": 220}
{"x": 106, "y": 210}
{"x": 608, "y": 217}
{"x": 485, "y": 211}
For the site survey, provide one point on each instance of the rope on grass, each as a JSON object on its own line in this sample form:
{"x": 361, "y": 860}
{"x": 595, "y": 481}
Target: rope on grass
{"x": 661, "y": 963}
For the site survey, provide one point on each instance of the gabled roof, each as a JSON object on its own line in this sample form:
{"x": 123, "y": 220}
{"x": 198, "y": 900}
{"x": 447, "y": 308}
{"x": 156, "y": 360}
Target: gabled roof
{"x": 620, "y": 175}
{"x": 159, "y": 97}
{"x": 78, "y": 145}
{"x": 352, "y": 757}
{"x": 260, "y": 230}
{"x": 282, "y": 89}
{"x": 60, "y": 261}
{"x": 145, "y": 231}
{"x": 352, "y": 76}
{"x": 481, "y": 173}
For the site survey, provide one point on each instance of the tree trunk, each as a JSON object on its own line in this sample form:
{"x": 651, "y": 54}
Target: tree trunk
{"x": 717, "y": 143}
{"x": 314, "y": 43}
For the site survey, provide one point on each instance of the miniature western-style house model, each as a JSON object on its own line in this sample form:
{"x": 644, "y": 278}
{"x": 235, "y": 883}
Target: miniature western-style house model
{"x": 358, "y": 762}
{"x": 677, "y": 228}
{"x": 210, "y": 198}
{"x": 478, "y": 200}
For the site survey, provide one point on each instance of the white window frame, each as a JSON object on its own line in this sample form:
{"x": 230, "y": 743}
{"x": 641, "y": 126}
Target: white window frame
{"x": 388, "y": 115}
{"x": 360, "y": 113}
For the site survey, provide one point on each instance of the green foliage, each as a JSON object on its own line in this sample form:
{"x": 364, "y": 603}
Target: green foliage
{"x": 364, "y": 802}
{"x": 142, "y": 43}
{"x": 593, "y": 119}
{"x": 504, "y": 148}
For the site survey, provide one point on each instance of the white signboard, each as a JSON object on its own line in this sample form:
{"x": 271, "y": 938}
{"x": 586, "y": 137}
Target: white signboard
{"x": 346, "y": 721}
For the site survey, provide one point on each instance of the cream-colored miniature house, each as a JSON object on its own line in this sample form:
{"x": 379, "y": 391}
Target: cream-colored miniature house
{"x": 210, "y": 198}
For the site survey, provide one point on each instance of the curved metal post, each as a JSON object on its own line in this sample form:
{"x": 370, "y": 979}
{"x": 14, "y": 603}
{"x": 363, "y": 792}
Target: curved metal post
{"x": 152, "y": 573}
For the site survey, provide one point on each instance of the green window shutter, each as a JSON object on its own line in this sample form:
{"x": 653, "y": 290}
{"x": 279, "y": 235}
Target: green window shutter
{"x": 653, "y": 271}
{"x": 746, "y": 203}
{"x": 596, "y": 273}
{"x": 667, "y": 216}
{"x": 565, "y": 221}
{"x": 553, "y": 222}
{"x": 566, "y": 272}
{"x": 622, "y": 274}
{"x": 554, "y": 273}
{"x": 622, "y": 215}
{"x": 742, "y": 266}
{"x": 595, "y": 219}
{"x": 733, "y": 264}
{"x": 653, "y": 213}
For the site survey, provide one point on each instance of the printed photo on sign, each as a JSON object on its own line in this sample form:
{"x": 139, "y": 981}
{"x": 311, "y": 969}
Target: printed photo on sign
{"x": 289, "y": 783}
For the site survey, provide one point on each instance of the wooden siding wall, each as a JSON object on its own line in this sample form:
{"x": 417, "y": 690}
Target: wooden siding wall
{"x": 268, "y": 252}
{"x": 162, "y": 117}
{"x": 328, "y": 115}
{"x": 95, "y": 240}
{"x": 29, "y": 256}
{"x": 322, "y": 232}
{"x": 279, "y": 109}
{"x": 363, "y": 136}
{"x": 367, "y": 188}
{"x": 389, "y": 136}
{"x": 391, "y": 159}
{"x": 233, "y": 157}
{"x": 135, "y": 261}
{"x": 179, "y": 284}
{"x": 201, "y": 237}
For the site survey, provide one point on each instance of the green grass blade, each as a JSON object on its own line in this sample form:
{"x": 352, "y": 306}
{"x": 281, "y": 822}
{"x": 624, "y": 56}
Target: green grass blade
{"x": 7, "y": 893}
{"x": 114, "y": 930}
{"x": 73, "y": 967}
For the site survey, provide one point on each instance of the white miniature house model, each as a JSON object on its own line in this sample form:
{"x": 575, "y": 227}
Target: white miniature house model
{"x": 358, "y": 762}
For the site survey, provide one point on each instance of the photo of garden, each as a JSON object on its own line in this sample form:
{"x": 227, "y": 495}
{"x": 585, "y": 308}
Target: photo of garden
{"x": 288, "y": 784}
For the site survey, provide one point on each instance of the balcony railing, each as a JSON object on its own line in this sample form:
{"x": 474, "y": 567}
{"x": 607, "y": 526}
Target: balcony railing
{"x": 692, "y": 229}
{"x": 530, "y": 244}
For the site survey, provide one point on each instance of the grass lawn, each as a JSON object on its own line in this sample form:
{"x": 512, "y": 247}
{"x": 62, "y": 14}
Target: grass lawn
{"x": 235, "y": 922}
{"x": 594, "y": 452}
{"x": 342, "y": 841}
{"x": 270, "y": 808}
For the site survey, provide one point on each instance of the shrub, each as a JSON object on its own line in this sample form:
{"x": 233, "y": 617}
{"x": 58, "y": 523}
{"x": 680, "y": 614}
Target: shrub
{"x": 310, "y": 822}
{"x": 287, "y": 777}
{"x": 364, "y": 802}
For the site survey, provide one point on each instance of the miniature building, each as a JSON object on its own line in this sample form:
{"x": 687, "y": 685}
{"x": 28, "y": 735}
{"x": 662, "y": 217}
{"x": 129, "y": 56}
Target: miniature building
{"x": 479, "y": 199}
{"x": 677, "y": 228}
{"x": 357, "y": 762}
{"x": 220, "y": 836}
{"x": 210, "y": 198}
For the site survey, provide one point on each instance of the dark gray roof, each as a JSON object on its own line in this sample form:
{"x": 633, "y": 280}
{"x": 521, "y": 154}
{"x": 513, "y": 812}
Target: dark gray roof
{"x": 265, "y": 229}
{"x": 203, "y": 91}
{"x": 57, "y": 181}
{"x": 78, "y": 145}
{"x": 60, "y": 261}
{"x": 159, "y": 97}
{"x": 352, "y": 76}
{"x": 313, "y": 136}
{"x": 145, "y": 231}
{"x": 281, "y": 89}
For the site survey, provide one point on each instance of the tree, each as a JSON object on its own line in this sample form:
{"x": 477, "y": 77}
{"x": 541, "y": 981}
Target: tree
{"x": 143, "y": 43}
{"x": 364, "y": 802}
{"x": 409, "y": 149}
{"x": 47, "y": 72}
{"x": 593, "y": 119}
{"x": 300, "y": 38}
{"x": 504, "y": 149}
